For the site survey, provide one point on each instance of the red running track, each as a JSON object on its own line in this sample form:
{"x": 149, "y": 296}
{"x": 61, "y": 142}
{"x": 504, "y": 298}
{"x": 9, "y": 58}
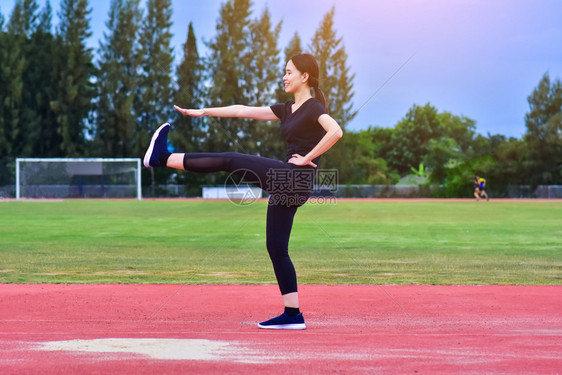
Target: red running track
{"x": 167, "y": 329}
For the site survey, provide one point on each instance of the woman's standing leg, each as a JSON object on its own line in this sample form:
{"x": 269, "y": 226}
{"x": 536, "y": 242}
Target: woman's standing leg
{"x": 278, "y": 230}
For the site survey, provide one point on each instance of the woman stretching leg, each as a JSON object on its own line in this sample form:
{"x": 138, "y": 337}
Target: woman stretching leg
{"x": 309, "y": 132}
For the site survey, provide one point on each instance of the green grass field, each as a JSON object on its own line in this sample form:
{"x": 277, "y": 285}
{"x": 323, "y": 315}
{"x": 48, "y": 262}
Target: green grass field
{"x": 349, "y": 242}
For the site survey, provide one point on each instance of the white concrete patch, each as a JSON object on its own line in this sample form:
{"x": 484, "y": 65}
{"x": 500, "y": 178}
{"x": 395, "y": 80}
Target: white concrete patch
{"x": 174, "y": 349}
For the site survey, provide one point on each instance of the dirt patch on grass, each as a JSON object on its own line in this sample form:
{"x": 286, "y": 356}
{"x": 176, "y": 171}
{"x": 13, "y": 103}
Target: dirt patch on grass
{"x": 227, "y": 275}
{"x": 119, "y": 272}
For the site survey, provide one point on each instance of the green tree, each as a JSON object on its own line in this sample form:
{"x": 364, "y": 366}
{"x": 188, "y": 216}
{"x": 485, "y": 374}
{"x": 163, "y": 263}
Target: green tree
{"x": 294, "y": 47}
{"x": 13, "y": 134}
{"x": 408, "y": 144}
{"x": 262, "y": 70}
{"x": 451, "y": 145}
{"x": 335, "y": 78}
{"x": 6, "y": 162}
{"x": 24, "y": 18}
{"x": 262, "y": 76}
{"x": 46, "y": 18}
{"x": 74, "y": 73}
{"x": 117, "y": 80}
{"x": 26, "y": 78}
{"x": 25, "y": 113}
{"x": 482, "y": 145}
{"x": 336, "y": 82}
{"x": 24, "y": 104}
{"x": 361, "y": 164}
{"x": 155, "y": 93}
{"x": 153, "y": 99}
{"x": 381, "y": 138}
{"x": 544, "y": 133}
{"x": 228, "y": 55}
{"x": 188, "y": 134}
{"x": 510, "y": 156}
{"x": 460, "y": 177}
{"x": 40, "y": 85}
{"x": 437, "y": 140}
{"x": 441, "y": 153}
{"x": 460, "y": 129}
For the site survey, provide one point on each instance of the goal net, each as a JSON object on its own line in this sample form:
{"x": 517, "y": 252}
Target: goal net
{"x": 78, "y": 178}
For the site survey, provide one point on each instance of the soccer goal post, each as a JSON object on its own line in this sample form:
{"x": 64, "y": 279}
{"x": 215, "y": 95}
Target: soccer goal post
{"x": 78, "y": 178}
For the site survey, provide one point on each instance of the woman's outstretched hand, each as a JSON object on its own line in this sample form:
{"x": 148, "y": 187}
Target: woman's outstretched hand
{"x": 299, "y": 160}
{"x": 190, "y": 112}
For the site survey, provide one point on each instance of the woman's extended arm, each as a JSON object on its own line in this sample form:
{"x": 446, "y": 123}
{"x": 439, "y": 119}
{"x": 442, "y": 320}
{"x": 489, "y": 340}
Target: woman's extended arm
{"x": 256, "y": 113}
{"x": 333, "y": 134}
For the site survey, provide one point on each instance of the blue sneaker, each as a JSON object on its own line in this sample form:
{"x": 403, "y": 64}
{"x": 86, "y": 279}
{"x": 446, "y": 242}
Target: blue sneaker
{"x": 284, "y": 321}
{"x": 158, "y": 146}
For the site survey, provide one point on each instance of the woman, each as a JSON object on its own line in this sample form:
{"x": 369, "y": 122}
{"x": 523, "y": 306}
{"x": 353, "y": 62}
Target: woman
{"x": 309, "y": 132}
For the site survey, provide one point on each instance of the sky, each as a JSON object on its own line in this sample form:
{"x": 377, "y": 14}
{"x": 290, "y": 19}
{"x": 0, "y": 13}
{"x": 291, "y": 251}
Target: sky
{"x": 475, "y": 58}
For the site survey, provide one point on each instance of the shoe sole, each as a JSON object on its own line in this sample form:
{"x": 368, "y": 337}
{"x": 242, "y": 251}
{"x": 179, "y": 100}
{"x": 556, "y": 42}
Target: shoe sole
{"x": 284, "y": 326}
{"x": 148, "y": 153}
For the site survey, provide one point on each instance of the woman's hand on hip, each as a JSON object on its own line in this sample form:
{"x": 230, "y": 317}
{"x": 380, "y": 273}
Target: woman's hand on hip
{"x": 299, "y": 160}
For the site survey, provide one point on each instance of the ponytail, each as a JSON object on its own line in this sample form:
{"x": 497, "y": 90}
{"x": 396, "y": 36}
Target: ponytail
{"x": 318, "y": 94}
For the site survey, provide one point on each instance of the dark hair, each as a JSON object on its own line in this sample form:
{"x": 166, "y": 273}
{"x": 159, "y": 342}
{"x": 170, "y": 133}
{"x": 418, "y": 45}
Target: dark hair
{"x": 306, "y": 63}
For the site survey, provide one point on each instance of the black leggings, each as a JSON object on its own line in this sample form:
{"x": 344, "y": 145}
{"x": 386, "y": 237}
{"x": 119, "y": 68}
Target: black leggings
{"x": 289, "y": 187}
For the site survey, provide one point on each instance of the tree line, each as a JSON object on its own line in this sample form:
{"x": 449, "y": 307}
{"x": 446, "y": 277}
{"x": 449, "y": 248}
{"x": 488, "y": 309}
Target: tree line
{"x": 61, "y": 98}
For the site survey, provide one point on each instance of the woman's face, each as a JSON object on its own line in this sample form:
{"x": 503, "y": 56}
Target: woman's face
{"x": 293, "y": 78}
